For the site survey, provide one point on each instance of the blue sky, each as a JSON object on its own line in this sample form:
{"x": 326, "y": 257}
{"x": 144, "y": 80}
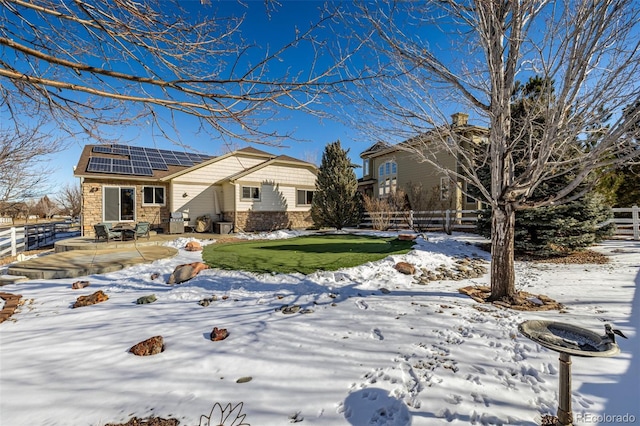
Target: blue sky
{"x": 311, "y": 133}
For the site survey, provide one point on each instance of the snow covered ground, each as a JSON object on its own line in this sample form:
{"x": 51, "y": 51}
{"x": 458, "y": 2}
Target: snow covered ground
{"x": 378, "y": 348}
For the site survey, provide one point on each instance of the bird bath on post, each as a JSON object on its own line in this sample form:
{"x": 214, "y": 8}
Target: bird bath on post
{"x": 568, "y": 340}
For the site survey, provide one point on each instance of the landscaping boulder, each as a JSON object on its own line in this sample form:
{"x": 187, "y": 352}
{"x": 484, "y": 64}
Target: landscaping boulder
{"x": 193, "y": 246}
{"x": 151, "y": 346}
{"x": 11, "y": 303}
{"x": 219, "y": 334}
{"x": 185, "y": 272}
{"x": 405, "y": 268}
{"x": 92, "y": 299}
{"x": 79, "y": 284}
{"x": 146, "y": 299}
{"x": 289, "y": 309}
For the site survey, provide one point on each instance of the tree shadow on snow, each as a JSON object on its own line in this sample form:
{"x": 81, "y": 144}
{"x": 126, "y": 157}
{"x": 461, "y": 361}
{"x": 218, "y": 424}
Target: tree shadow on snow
{"x": 620, "y": 391}
{"x": 373, "y": 406}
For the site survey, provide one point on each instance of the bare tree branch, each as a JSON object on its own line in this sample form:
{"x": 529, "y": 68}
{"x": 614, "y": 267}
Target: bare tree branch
{"x": 448, "y": 56}
{"x": 88, "y": 64}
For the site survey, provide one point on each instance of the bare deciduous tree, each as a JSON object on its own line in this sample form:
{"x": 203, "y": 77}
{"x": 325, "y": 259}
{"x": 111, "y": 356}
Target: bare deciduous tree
{"x": 436, "y": 57}
{"x": 70, "y": 200}
{"x": 86, "y": 64}
{"x": 46, "y": 208}
{"x": 24, "y": 152}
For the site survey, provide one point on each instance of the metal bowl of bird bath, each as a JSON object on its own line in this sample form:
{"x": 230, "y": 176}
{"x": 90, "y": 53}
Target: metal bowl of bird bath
{"x": 570, "y": 340}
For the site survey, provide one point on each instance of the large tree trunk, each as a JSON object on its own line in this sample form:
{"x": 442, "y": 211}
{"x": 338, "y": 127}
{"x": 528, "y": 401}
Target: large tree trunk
{"x": 503, "y": 274}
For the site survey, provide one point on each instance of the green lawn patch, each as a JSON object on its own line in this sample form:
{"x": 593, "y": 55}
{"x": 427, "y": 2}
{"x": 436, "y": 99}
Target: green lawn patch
{"x": 302, "y": 254}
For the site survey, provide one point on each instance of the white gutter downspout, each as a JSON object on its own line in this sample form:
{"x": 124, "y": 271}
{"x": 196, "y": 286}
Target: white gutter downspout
{"x": 235, "y": 207}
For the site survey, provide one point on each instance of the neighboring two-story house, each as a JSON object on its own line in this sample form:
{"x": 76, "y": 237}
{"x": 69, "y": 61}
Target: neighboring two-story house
{"x": 248, "y": 188}
{"x": 387, "y": 168}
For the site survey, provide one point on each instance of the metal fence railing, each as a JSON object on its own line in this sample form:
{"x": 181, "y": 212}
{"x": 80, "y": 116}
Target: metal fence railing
{"x": 448, "y": 220}
{"x": 18, "y": 239}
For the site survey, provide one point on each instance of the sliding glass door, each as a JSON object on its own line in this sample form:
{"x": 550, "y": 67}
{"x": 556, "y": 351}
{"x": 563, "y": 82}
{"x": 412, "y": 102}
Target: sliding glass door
{"x": 118, "y": 204}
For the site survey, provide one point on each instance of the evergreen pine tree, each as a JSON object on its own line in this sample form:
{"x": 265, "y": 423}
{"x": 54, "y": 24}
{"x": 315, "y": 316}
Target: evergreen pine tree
{"x": 544, "y": 231}
{"x": 336, "y": 202}
{"x": 621, "y": 185}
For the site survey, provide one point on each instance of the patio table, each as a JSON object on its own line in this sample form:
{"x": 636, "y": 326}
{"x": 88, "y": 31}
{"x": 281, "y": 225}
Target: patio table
{"x": 128, "y": 231}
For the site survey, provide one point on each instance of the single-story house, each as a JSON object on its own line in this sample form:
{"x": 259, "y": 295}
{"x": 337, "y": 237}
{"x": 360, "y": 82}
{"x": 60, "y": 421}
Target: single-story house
{"x": 387, "y": 168}
{"x": 249, "y": 189}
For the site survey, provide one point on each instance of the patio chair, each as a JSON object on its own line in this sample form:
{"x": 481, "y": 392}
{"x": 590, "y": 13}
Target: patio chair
{"x": 141, "y": 230}
{"x": 103, "y": 230}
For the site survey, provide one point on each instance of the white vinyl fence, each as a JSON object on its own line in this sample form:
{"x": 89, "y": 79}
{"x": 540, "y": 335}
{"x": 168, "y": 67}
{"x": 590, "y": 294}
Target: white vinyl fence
{"x": 11, "y": 241}
{"x": 626, "y": 221}
{"x": 31, "y": 237}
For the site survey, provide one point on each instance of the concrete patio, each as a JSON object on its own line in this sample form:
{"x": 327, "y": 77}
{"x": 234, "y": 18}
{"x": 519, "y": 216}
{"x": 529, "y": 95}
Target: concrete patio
{"x": 81, "y": 256}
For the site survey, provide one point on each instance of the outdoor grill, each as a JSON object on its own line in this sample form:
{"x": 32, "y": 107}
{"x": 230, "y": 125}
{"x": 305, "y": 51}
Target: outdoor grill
{"x": 177, "y": 222}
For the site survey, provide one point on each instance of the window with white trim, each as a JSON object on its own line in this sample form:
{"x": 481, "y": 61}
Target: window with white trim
{"x": 251, "y": 193}
{"x": 304, "y": 197}
{"x": 118, "y": 204}
{"x": 153, "y": 195}
{"x": 365, "y": 167}
{"x": 387, "y": 178}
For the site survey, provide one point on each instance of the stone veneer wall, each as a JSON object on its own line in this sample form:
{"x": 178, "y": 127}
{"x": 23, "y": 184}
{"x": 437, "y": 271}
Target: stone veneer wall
{"x": 269, "y": 221}
{"x": 92, "y": 204}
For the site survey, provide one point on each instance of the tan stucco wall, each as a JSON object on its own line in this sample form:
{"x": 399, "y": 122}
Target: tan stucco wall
{"x": 410, "y": 170}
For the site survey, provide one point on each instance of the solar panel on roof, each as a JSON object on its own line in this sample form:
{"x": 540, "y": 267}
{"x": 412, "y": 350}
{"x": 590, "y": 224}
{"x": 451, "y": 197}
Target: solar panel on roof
{"x": 99, "y": 164}
{"x": 142, "y": 171}
{"x": 122, "y": 166}
{"x": 158, "y": 165}
{"x": 170, "y": 159}
{"x": 102, "y": 149}
{"x": 121, "y": 149}
{"x": 100, "y": 160}
{"x": 122, "y": 170}
{"x": 141, "y": 161}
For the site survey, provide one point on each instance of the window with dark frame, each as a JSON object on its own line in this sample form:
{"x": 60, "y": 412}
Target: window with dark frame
{"x": 118, "y": 204}
{"x": 305, "y": 197}
{"x": 153, "y": 195}
{"x": 250, "y": 193}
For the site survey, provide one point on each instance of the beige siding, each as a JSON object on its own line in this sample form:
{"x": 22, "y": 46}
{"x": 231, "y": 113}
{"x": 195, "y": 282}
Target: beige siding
{"x": 228, "y": 197}
{"x": 199, "y": 199}
{"x": 284, "y": 175}
{"x": 273, "y": 197}
{"x": 220, "y": 170}
{"x": 279, "y": 185}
